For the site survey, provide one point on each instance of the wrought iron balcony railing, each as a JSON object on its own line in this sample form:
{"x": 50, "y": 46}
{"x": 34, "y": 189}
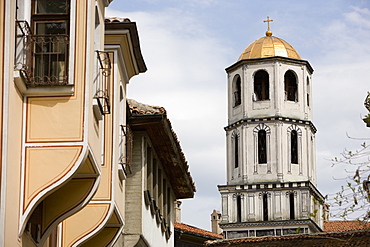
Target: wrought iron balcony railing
{"x": 367, "y": 102}
{"x": 42, "y": 59}
{"x": 125, "y": 148}
{"x": 102, "y": 82}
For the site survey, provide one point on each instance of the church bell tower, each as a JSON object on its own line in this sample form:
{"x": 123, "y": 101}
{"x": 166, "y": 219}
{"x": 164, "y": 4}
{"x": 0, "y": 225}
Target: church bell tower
{"x": 271, "y": 161}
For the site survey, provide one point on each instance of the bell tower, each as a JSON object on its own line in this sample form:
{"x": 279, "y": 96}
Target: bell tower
{"x": 271, "y": 164}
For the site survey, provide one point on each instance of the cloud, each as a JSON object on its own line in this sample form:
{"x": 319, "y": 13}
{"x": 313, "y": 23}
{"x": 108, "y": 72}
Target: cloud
{"x": 359, "y": 17}
{"x": 186, "y": 61}
{"x": 186, "y": 76}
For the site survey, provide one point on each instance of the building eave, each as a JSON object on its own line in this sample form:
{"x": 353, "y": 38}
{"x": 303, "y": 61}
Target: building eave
{"x": 114, "y": 28}
{"x": 164, "y": 140}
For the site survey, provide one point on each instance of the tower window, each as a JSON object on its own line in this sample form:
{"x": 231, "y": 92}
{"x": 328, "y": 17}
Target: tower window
{"x": 308, "y": 91}
{"x": 294, "y": 147}
{"x": 290, "y": 85}
{"x": 261, "y": 85}
{"x": 262, "y": 153}
{"x": 236, "y": 151}
{"x": 237, "y": 91}
{"x": 265, "y": 208}
{"x": 238, "y": 209}
{"x": 291, "y": 206}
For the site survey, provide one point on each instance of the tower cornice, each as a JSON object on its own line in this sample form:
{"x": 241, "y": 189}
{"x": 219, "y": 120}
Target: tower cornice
{"x": 269, "y": 60}
{"x": 272, "y": 119}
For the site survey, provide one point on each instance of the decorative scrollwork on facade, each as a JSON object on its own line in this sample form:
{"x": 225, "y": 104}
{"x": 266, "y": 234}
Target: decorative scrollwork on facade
{"x": 262, "y": 126}
{"x": 264, "y": 193}
{"x": 235, "y": 195}
{"x": 291, "y": 192}
{"x": 235, "y": 133}
{"x": 296, "y": 128}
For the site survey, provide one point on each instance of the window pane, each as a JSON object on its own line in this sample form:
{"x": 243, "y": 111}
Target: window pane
{"x": 51, "y": 28}
{"x": 51, "y": 7}
{"x": 262, "y": 152}
{"x": 294, "y": 147}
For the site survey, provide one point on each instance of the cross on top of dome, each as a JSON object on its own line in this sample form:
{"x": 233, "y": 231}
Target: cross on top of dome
{"x": 268, "y": 32}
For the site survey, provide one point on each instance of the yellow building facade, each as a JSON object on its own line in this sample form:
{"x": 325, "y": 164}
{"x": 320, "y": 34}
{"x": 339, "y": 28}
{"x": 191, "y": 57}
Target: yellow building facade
{"x": 65, "y": 144}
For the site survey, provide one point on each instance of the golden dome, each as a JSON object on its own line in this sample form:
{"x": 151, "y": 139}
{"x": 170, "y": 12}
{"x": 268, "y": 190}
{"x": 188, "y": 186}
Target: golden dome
{"x": 269, "y": 46}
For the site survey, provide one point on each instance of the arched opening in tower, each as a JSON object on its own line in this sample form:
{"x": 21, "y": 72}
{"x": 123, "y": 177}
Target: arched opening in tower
{"x": 290, "y": 85}
{"x": 261, "y": 85}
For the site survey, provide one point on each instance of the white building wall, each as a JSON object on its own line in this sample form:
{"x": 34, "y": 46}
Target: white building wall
{"x": 276, "y": 105}
{"x": 278, "y": 166}
{"x": 141, "y": 222}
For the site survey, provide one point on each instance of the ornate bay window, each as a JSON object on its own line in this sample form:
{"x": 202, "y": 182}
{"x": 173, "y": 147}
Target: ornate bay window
{"x": 43, "y": 47}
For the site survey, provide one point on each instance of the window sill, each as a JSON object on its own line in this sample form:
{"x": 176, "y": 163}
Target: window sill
{"x": 261, "y": 100}
{"x": 65, "y": 90}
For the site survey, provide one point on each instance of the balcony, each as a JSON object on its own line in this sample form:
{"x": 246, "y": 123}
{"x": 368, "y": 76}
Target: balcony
{"x": 102, "y": 84}
{"x": 41, "y": 62}
{"x": 125, "y": 151}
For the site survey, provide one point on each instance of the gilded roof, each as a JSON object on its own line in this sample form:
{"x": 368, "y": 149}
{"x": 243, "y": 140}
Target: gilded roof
{"x": 269, "y": 46}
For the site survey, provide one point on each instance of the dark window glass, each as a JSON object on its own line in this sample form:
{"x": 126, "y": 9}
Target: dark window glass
{"x": 51, "y": 7}
{"x": 236, "y": 151}
{"x": 262, "y": 153}
{"x": 290, "y": 84}
{"x": 50, "y": 24}
{"x": 294, "y": 147}
{"x": 261, "y": 85}
{"x": 291, "y": 206}
{"x": 238, "y": 209}
{"x": 308, "y": 100}
{"x": 51, "y": 27}
{"x": 265, "y": 208}
{"x": 308, "y": 91}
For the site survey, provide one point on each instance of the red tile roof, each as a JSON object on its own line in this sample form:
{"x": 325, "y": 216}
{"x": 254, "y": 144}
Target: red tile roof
{"x": 323, "y": 239}
{"x": 345, "y": 225}
{"x": 197, "y": 231}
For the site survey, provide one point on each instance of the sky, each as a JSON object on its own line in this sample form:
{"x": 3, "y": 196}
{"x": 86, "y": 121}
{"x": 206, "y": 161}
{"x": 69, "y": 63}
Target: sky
{"x": 188, "y": 44}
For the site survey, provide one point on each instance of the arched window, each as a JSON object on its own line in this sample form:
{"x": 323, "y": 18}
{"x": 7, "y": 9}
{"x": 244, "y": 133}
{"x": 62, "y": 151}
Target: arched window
{"x": 291, "y": 206}
{"x": 237, "y": 91}
{"x": 238, "y": 209}
{"x": 261, "y": 85}
{"x": 265, "y": 208}
{"x": 236, "y": 151}
{"x": 262, "y": 147}
{"x": 290, "y": 85}
{"x": 294, "y": 147}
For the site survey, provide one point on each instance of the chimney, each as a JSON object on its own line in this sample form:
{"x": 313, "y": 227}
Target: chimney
{"x": 215, "y": 220}
{"x": 178, "y": 211}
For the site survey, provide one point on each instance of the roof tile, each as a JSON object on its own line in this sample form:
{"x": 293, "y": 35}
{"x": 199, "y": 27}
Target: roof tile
{"x": 194, "y": 230}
